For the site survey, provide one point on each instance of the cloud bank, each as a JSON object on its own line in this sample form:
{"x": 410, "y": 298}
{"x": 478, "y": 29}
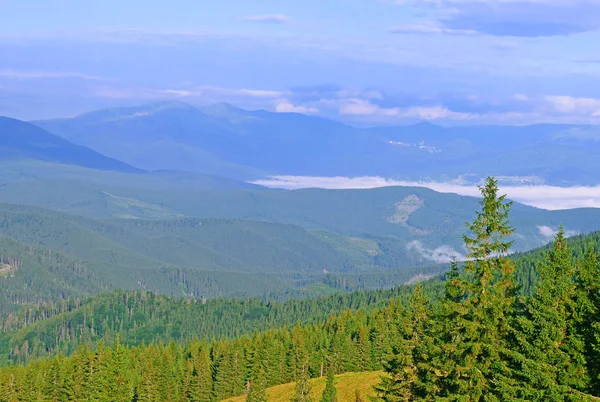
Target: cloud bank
{"x": 541, "y": 196}
{"x": 549, "y": 232}
{"x": 441, "y": 255}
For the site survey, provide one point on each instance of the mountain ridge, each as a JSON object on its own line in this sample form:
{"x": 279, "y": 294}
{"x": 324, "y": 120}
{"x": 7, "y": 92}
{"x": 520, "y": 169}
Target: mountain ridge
{"x": 247, "y": 144}
{"x": 21, "y": 140}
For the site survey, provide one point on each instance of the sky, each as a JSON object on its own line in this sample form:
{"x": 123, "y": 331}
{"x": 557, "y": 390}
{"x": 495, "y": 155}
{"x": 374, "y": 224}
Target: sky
{"x": 365, "y": 62}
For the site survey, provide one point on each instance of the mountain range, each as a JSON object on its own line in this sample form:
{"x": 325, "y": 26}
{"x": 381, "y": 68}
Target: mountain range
{"x": 228, "y": 141}
{"x": 143, "y": 224}
{"x": 21, "y": 140}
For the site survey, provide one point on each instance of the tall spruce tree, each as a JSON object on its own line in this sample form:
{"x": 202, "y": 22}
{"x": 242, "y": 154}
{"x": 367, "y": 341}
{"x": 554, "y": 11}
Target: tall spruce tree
{"x": 303, "y": 388}
{"x": 330, "y": 393}
{"x": 200, "y": 382}
{"x": 588, "y": 308}
{"x": 553, "y": 368}
{"x": 410, "y": 351}
{"x": 473, "y": 360}
{"x": 258, "y": 392}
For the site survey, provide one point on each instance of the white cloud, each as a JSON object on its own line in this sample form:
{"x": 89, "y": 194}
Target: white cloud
{"x": 30, "y": 74}
{"x": 429, "y": 28}
{"x": 440, "y": 255}
{"x": 541, "y": 196}
{"x": 362, "y": 107}
{"x": 549, "y": 232}
{"x": 177, "y": 92}
{"x": 285, "y": 106}
{"x": 268, "y": 19}
{"x": 435, "y": 113}
{"x": 572, "y": 105}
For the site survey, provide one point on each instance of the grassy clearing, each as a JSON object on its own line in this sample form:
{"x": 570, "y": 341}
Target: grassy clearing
{"x": 346, "y": 385}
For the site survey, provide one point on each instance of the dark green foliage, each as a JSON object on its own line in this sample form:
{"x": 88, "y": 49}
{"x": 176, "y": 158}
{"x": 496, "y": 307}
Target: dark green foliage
{"x": 257, "y": 392}
{"x": 195, "y": 371}
{"x": 587, "y": 304}
{"x": 302, "y": 388}
{"x": 330, "y": 393}
{"x": 554, "y": 364}
{"x": 143, "y": 317}
{"x": 476, "y": 338}
{"x": 191, "y": 257}
{"x": 473, "y": 360}
{"x": 409, "y": 352}
{"x": 483, "y": 343}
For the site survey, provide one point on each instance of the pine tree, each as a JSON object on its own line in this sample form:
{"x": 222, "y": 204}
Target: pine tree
{"x": 120, "y": 386}
{"x": 257, "y": 392}
{"x": 330, "y": 393}
{"x": 587, "y": 301}
{"x": 303, "y": 387}
{"x": 413, "y": 349}
{"x": 363, "y": 347}
{"x": 554, "y": 365}
{"x": 475, "y": 359}
{"x": 200, "y": 383}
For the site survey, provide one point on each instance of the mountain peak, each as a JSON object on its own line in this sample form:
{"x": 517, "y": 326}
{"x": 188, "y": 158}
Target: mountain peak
{"x": 128, "y": 112}
{"x": 224, "y": 110}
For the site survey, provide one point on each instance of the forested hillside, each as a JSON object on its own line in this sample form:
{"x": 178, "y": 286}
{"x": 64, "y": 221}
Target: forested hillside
{"x": 408, "y": 213}
{"x": 476, "y": 338}
{"x": 201, "y": 258}
{"x": 144, "y": 317}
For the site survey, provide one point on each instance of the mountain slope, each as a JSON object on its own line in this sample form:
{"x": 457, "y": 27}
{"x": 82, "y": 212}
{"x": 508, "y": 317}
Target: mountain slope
{"x": 157, "y": 136}
{"x": 144, "y": 317}
{"x": 222, "y": 139}
{"x": 410, "y": 214}
{"x": 102, "y": 193}
{"x": 21, "y": 140}
{"x": 189, "y": 256}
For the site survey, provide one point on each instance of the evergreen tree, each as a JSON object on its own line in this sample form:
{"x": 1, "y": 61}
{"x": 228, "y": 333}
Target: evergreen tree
{"x": 587, "y": 301}
{"x": 257, "y": 392}
{"x": 474, "y": 358}
{"x": 303, "y": 387}
{"x": 553, "y": 368}
{"x": 330, "y": 393}
{"x": 413, "y": 348}
{"x": 200, "y": 383}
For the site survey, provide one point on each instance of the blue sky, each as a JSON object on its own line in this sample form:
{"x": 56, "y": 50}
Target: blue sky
{"x": 361, "y": 61}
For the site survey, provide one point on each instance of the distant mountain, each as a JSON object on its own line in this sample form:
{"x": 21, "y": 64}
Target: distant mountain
{"x": 20, "y": 140}
{"x": 218, "y": 139}
{"x": 158, "y": 136}
{"x": 225, "y": 140}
